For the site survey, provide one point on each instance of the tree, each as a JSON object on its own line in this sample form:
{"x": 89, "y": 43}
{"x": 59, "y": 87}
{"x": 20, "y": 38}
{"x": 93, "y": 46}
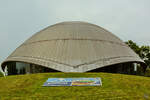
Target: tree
{"x": 142, "y": 51}
{"x": 133, "y": 46}
{"x": 145, "y": 54}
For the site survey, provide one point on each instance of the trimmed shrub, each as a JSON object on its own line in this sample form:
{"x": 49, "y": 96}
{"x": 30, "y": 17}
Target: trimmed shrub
{"x": 140, "y": 71}
{"x": 147, "y": 73}
{"x": 1, "y": 74}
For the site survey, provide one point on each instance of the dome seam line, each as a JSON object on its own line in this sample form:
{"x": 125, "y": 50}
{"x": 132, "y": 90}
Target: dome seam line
{"x": 75, "y": 39}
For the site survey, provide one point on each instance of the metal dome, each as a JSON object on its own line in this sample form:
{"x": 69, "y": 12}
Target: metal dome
{"x": 73, "y": 47}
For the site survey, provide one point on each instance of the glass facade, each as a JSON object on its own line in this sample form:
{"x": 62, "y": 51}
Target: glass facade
{"x": 123, "y": 68}
{"x": 15, "y": 68}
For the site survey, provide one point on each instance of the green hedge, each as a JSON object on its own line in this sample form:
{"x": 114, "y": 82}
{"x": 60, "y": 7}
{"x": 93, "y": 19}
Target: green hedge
{"x": 147, "y": 73}
{"x": 1, "y": 75}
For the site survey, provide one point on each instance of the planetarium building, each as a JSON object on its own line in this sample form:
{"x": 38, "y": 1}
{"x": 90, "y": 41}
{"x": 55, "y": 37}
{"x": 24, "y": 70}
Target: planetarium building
{"x": 72, "y": 47}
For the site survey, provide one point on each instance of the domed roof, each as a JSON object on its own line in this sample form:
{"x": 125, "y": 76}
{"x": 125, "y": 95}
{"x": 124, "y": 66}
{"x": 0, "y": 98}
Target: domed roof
{"x": 73, "y": 47}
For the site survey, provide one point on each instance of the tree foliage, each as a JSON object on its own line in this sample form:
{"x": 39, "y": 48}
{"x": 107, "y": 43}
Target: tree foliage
{"x": 142, "y": 51}
{"x": 133, "y": 46}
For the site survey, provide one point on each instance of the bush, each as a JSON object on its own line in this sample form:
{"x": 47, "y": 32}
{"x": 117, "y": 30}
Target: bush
{"x": 1, "y": 74}
{"x": 140, "y": 70}
{"x": 147, "y": 73}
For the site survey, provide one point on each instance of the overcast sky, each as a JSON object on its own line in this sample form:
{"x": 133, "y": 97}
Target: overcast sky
{"x": 20, "y": 19}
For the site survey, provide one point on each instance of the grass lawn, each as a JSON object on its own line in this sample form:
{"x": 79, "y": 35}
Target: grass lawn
{"x": 115, "y": 86}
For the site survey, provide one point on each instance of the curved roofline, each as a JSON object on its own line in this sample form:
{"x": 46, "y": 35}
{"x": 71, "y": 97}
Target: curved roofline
{"x": 70, "y": 22}
{"x": 81, "y": 22}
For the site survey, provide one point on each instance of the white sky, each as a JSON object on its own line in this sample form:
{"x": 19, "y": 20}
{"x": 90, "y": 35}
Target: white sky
{"x": 20, "y": 19}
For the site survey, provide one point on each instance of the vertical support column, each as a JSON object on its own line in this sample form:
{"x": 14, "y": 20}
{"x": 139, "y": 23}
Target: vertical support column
{"x": 5, "y": 71}
{"x": 135, "y": 66}
{"x": 27, "y": 69}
